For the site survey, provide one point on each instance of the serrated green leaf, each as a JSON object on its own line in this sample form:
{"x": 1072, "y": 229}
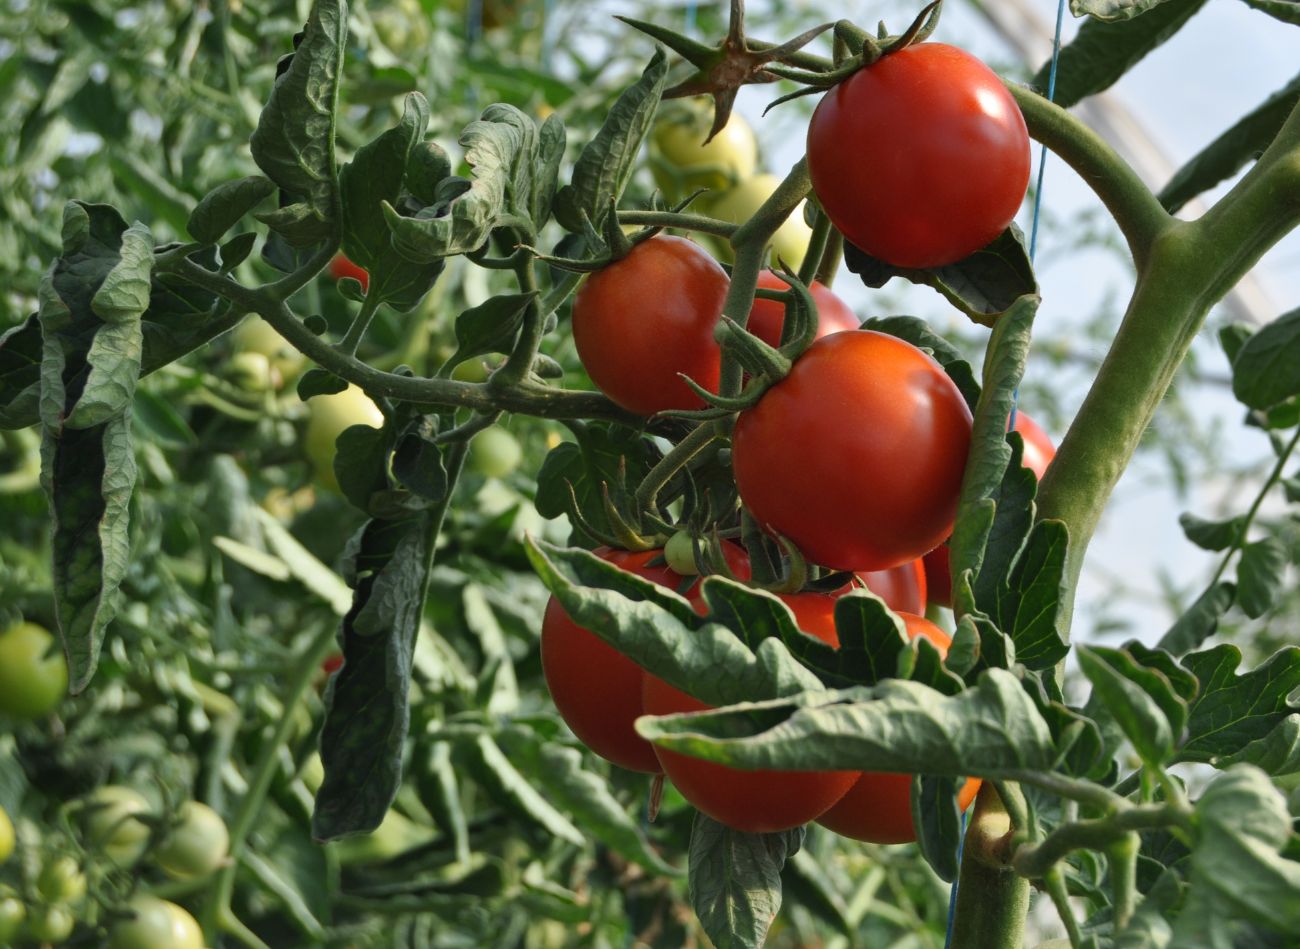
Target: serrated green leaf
{"x": 1233, "y": 710}
{"x": 986, "y": 731}
{"x": 1259, "y": 575}
{"x": 367, "y": 711}
{"x": 1199, "y": 622}
{"x": 605, "y": 165}
{"x": 1141, "y": 700}
{"x": 1112, "y": 9}
{"x": 735, "y": 881}
{"x": 1102, "y": 52}
{"x": 1278, "y": 752}
{"x": 984, "y": 285}
{"x": 361, "y": 462}
{"x": 1237, "y": 869}
{"x": 1029, "y": 604}
{"x": 1230, "y": 152}
{"x": 558, "y": 772}
{"x": 224, "y": 206}
{"x": 1212, "y": 535}
{"x": 594, "y": 460}
{"x": 1267, "y": 369}
{"x": 293, "y": 143}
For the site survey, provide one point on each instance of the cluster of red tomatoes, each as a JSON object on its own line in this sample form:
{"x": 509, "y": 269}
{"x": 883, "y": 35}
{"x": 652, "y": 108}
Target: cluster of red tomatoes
{"x": 856, "y": 456}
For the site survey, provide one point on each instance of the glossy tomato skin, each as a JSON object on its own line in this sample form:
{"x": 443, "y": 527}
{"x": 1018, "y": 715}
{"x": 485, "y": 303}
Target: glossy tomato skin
{"x": 767, "y": 317}
{"x": 857, "y": 455}
{"x": 759, "y": 801}
{"x": 1039, "y": 452}
{"x": 341, "y": 267}
{"x": 596, "y": 688}
{"x": 921, "y": 158}
{"x": 878, "y": 807}
{"x": 644, "y": 320}
{"x": 903, "y": 588}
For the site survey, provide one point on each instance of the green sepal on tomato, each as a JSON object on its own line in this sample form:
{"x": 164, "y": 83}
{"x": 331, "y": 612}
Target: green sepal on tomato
{"x": 878, "y": 807}
{"x": 967, "y": 156}
{"x": 597, "y": 689}
{"x": 857, "y": 455}
{"x": 644, "y": 321}
{"x": 767, "y": 317}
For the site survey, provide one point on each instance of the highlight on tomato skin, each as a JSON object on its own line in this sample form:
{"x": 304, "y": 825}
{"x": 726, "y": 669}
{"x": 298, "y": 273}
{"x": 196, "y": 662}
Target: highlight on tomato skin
{"x": 763, "y": 800}
{"x": 597, "y": 689}
{"x": 341, "y": 267}
{"x": 878, "y": 807}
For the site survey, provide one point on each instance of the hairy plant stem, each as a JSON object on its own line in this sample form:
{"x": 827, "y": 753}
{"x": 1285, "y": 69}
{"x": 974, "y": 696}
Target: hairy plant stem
{"x": 1123, "y": 856}
{"x": 520, "y": 361}
{"x": 679, "y": 221}
{"x": 1056, "y": 889}
{"x": 674, "y": 461}
{"x": 992, "y": 899}
{"x": 360, "y": 323}
{"x": 527, "y": 397}
{"x": 1102, "y": 833}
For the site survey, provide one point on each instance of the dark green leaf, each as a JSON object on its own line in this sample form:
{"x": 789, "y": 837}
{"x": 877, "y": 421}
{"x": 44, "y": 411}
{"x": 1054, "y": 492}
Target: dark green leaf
{"x": 367, "y": 711}
{"x": 1212, "y": 535}
{"x": 490, "y": 327}
{"x": 224, "y": 206}
{"x": 236, "y": 250}
{"x": 1102, "y": 52}
{"x": 1278, "y": 752}
{"x": 316, "y": 381}
{"x": 1141, "y": 700}
{"x": 298, "y": 224}
{"x": 426, "y": 166}
{"x": 361, "y": 462}
{"x": 1200, "y": 620}
{"x": 606, "y": 163}
{"x": 985, "y": 731}
{"x": 1029, "y": 605}
{"x": 293, "y": 143}
{"x": 1267, "y": 369}
{"x": 1233, "y": 710}
{"x": 497, "y": 775}
{"x": 20, "y": 373}
{"x": 735, "y": 881}
{"x": 587, "y": 465}
{"x": 1259, "y": 575}
{"x": 418, "y": 462}
{"x": 983, "y": 286}
{"x": 1288, "y": 11}
{"x": 938, "y": 823}
{"x": 1233, "y": 336}
{"x": 1226, "y": 155}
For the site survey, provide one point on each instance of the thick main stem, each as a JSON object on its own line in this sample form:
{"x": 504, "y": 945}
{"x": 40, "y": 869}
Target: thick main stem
{"x": 992, "y": 899}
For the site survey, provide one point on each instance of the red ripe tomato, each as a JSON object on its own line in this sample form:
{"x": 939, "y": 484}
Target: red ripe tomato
{"x": 878, "y": 808}
{"x": 902, "y": 587}
{"x": 760, "y": 801}
{"x": 767, "y": 317}
{"x": 857, "y": 455}
{"x": 596, "y": 688}
{"x": 921, "y": 158}
{"x": 1039, "y": 452}
{"x": 646, "y": 320}
{"x": 341, "y": 267}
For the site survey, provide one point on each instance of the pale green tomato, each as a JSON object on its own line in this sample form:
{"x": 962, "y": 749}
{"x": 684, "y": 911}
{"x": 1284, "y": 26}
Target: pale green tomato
{"x": 154, "y": 924}
{"x": 12, "y": 915}
{"x": 313, "y": 772}
{"x": 61, "y": 881}
{"x": 395, "y": 834}
{"x": 6, "y": 836}
{"x": 790, "y": 243}
{"x": 251, "y": 372}
{"x": 402, "y": 26}
{"x": 255, "y": 335}
{"x": 683, "y": 162}
{"x": 679, "y": 553}
{"x": 494, "y": 452}
{"x": 33, "y": 673}
{"x": 197, "y": 845}
{"x": 328, "y": 416}
{"x": 111, "y": 825}
{"x": 52, "y": 924}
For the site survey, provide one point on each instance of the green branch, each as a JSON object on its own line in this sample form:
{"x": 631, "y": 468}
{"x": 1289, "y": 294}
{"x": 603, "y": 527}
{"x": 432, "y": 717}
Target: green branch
{"x": 1101, "y": 833}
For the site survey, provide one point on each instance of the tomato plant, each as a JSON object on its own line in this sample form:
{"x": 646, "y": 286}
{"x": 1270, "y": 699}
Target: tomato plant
{"x": 33, "y": 673}
{"x": 686, "y": 162}
{"x": 51, "y": 924}
{"x": 767, "y": 317}
{"x": 341, "y": 267}
{"x": 759, "y": 801}
{"x": 856, "y": 496}
{"x": 329, "y": 416}
{"x": 112, "y": 826}
{"x": 495, "y": 453}
{"x": 596, "y": 689}
{"x": 6, "y": 836}
{"x": 903, "y": 588}
{"x": 151, "y": 923}
{"x": 12, "y": 914}
{"x": 196, "y": 845}
{"x": 739, "y": 203}
{"x": 967, "y": 149}
{"x": 643, "y": 322}
{"x": 61, "y": 881}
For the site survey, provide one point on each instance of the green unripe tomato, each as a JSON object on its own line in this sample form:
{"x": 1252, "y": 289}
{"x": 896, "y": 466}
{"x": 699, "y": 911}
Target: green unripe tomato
{"x": 494, "y": 452}
{"x": 313, "y": 772}
{"x": 197, "y": 845}
{"x": 790, "y": 243}
{"x": 251, "y": 372}
{"x": 6, "y": 836}
{"x": 255, "y": 335}
{"x": 679, "y": 553}
{"x": 61, "y": 881}
{"x": 111, "y": 825}
{"x": 12, "y": 915}
{"x": 154, "y": 924}
{"x": 402, "y": 26}
{"x": 33, "y": 673}
{"x": 683, "y": 162}
{"x": 471, "y": 370}
{"x": 329, "y": 416}
{"x": 51, "y": 924}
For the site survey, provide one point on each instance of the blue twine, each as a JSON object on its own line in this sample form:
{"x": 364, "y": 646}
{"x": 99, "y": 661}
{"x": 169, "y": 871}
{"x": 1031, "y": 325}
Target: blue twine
{"x": 690, "y": 17}
{"x": 1011, "y": 422}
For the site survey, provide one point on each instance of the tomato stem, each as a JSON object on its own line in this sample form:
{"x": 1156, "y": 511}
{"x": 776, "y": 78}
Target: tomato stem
{"x": 1056, "y": 889}
{"x": 992, "y": 899}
